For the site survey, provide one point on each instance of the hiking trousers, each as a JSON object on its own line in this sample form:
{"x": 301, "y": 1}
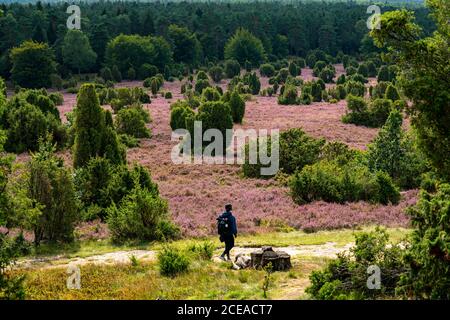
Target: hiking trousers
{"x": 229, "y": 244}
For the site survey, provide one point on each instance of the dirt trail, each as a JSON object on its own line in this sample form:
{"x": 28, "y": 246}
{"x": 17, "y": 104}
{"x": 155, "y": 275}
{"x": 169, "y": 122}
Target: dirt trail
{"x": 327, "y": 250}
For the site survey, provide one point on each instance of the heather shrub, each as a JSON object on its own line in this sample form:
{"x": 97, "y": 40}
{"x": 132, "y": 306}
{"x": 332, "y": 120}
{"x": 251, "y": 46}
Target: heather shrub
{"x": 331, "y": 182}
{"x": 346, "y": 277}
{"x": 172, "y": 261}
{"x": 168, "y": 95}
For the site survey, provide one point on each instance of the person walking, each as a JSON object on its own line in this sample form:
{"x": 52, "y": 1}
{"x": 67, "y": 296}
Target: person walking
{"x": 227, "y": 229}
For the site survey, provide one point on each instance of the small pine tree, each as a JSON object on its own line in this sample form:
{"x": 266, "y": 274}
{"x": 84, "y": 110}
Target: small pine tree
{"x": 237, "y": 105}
{"x": 392, "y": 93}
{"x": 116, "y": 75}
{"x": 89, "y": 126}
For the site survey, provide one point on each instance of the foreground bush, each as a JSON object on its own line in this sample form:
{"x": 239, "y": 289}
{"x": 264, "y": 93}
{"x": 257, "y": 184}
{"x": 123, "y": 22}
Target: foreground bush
{"x": 52, "y": 190}
{"x": 331, "y": 182}
{"x": 100, "y": 183}
{"x": 172, "y": 262}
{"x": 346, "y": 277}
{"x": 428, "y": 275}
{"x": 180, "y": 112}
{"x": 140, "y": 215}
{"x": 11, "y": 287}
{"x": 237, "y": 105}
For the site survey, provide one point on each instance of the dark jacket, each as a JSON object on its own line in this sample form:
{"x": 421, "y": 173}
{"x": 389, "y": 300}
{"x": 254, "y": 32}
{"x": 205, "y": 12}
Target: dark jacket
{"x": 232, "y": 219}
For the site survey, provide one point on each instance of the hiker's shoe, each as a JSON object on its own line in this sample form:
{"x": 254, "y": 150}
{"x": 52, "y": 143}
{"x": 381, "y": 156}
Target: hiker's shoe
{"x": 222, "y": 258}
{"x": 228, "y": 258}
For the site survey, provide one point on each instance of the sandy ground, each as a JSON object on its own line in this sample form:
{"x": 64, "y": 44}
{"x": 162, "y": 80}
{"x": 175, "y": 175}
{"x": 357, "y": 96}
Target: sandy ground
{"x": 327, "y": 250}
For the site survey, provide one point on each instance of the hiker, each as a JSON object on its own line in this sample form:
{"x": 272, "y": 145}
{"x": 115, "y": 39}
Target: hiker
{"x": 226, "y": 225}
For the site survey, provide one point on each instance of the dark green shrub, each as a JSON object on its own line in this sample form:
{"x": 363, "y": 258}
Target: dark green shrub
{"x": 180, "y": 111}
{"x": 288, "y": 96}
{"x": 200, "y": 85}
{"x": 11, "y": 286}
{"x": 51, "y": 185}
{"x": 216, "y": 73}
{"x": 57, "y": 98}
{"x": 252, "y": 80}
{"x": 210, "y": 94}
{"x": 392, "y": 93}
{"x": 316, "y": 91}
{"x": 427, "y": 276}
{"x": 117, "y": 76}
{"x": 131, "y": 74}
{"x": 172, "y": 262}
{"x": 131, "y": 122}
{"x": 168, "y": 95}
{"x": 355, "y": 88}
{"x": 147, "y": 71}
{"x": 106, "y": 74}
{"x": 237, "y": 106}
{"x": 293, "y": 69}
{"x": 346, "y": 277}
{"x": 232, "y": 68}
{"x": 331, "y": 182}
{"x": 266, "y": 70}
{"x": 138, "y": 216}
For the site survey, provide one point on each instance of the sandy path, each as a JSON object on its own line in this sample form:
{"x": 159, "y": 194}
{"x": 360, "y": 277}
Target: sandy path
{"x": 327, "y": 250}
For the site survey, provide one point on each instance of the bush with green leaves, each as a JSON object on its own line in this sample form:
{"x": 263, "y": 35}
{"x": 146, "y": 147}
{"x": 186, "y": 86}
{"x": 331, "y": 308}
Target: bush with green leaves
{"x": 267, "y": 70}
{"x": 252, "y": 80}
{"x": 172, "y": 261}
{"x": 289, "y": 95}
{"x": 427, "y": 257}
{"x": 100, "y": 183}
{"x": 232, "y": 68}
{"x": 293, "y": 69}
{"x": 147, "y": 71}
{"x": 26, "y": 123}
{"x": 392, "y": 93}
{"x": 379, "y": 90}
{"x": 346, "y": 277}
{"x": 383, "y": 74}
{"x": 180, "y": 112}
{"x": 94, "y": 130}
{"x": 373, "y": 115}
{"x": 52, "y": 190}
{"x": 11, "y": 286}
{"x": 237, "y": 106}
{"x": 141, "y": 215}
{"x": 355, "y": 88}
{"x": 131, "y": 121}
{"x": 216, "y": 73}
{"x": 57, "y": 98}
{"x": 332, "y": 182}
{"x": 116, "y": 74}
{"x": 318, "y": 67}
{"x": 397, "y": 154}
{"x": 327, "y": 74}
{"x": 296, "y": 149}
{"x": 210, "y": 94}
{"x": 200, "y": 85}
{"x": 203, "y": 250}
